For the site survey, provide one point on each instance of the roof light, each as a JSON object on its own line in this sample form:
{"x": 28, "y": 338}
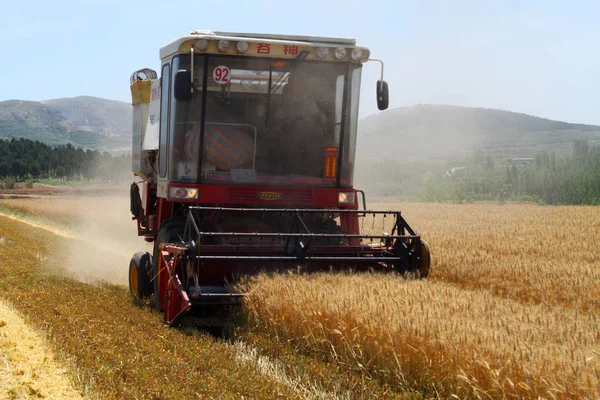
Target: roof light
{"x": 241, "y": 47}
{"x": 322, "y": 52}
{"x": 224, "y": 45}
{"x": 356, "y": 54}
{"x": 202, "y": 44}
{"x": 340, "y": 53}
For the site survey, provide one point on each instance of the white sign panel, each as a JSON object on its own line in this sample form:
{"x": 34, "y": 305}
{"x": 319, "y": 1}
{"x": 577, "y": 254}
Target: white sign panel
{"x": 222, "y": 75}
{"x": 153, "y": 124}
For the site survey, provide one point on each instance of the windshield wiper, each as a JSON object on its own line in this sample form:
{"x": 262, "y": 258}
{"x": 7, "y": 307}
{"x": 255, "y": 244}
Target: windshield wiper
{"x": 279, "y": 83}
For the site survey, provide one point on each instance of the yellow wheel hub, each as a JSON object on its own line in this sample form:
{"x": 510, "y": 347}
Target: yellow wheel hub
{"x": 133, "y": 280}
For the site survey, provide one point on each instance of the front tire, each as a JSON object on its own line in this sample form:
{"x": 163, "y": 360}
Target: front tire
{"x": 421, "y": 265}
{"x": 418, "y": 265}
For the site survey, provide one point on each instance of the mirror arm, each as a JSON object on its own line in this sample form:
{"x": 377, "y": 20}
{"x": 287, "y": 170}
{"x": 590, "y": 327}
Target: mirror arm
{"x": 379, "y": 61}
{"x": 192, "y": 67}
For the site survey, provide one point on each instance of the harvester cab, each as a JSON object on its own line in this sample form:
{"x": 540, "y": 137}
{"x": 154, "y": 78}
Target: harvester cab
{"x": 245, "y": 151}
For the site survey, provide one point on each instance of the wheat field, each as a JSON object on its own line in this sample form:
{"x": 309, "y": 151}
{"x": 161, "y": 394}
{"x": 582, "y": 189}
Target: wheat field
{"x": 511, "y": 308}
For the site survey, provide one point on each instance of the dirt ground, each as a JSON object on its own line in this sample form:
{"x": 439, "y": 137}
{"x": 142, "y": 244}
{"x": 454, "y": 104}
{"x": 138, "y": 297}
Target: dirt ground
{"x": 28, "y": 368}
{"x": 21, "y": 190}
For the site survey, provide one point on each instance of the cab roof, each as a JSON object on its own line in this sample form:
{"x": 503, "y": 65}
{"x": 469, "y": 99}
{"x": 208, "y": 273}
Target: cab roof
{"x": 317, "y": 41}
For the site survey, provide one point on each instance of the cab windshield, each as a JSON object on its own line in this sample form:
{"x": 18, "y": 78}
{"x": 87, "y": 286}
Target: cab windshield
{"x": 265, "y": 121}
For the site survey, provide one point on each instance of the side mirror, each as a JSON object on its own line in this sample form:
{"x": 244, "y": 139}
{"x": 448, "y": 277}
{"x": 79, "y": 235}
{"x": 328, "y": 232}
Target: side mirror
{"x": 383, "y": 95}
{"x": 183, "y": 85}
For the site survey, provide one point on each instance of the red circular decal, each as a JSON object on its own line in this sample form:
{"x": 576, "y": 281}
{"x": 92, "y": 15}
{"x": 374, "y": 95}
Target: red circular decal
{"x": 221, "y": 75}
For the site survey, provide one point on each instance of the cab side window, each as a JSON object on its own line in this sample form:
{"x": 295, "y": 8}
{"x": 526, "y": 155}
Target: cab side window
{"x": 164, "y": 119}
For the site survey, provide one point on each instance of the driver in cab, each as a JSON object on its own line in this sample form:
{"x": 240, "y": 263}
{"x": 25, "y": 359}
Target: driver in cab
{"x": 299, "y": 124}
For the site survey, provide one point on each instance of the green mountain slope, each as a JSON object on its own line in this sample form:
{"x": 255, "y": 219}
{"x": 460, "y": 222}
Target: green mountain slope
{"x": 33, "y": 120}
{"x": 84, "y": 121}
{"x": 97, "y": 115}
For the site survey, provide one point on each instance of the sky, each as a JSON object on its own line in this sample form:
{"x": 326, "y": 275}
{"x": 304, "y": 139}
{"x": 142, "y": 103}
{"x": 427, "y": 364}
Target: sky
{"x": 535, "y": 57}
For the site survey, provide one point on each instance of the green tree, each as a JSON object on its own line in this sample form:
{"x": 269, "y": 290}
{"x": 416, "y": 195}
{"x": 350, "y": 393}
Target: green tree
{"x": 60, "y": 171}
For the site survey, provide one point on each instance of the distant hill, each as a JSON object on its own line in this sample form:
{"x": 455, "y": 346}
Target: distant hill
{"x": 398, "y": 148}
{"x": 34, "y": 121}
{"x": 417, "y": 134}
{"x": 96, "y": 115}
{"x": 441, "y": 132}
{"x": 84, "y": 121}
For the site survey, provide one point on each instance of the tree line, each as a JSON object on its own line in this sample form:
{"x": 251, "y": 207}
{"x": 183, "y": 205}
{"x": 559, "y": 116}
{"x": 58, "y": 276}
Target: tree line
{"x": 574, "y": 179}
{"x": 22, "y": 159}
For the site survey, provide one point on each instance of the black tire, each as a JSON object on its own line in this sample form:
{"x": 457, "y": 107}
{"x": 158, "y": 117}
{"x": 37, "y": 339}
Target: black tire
{"x": 171, "y": 231}
{"x": 422, "y": 264}
{"x": 418, "y": 265}
{"x": 139, "y": 283}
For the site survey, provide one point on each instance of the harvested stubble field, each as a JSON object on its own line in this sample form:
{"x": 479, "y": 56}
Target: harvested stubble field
{"x": 511, "y": 310}
{"x": 68, "y": 280}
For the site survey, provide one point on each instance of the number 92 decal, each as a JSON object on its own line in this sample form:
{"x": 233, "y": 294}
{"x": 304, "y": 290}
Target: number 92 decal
{"x": 221, "y": 75}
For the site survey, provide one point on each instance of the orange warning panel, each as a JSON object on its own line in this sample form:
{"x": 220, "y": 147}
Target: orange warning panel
{"x": 330, "y": 164}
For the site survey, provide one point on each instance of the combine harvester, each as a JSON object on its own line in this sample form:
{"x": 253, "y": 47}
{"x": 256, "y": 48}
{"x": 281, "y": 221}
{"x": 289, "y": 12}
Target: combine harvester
{"x": 245, "y": 148}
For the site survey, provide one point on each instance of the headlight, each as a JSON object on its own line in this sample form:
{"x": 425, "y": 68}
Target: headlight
{"x": 340, "y": 53}
{"x": 322, "y": 52}
{"x": 241, "y": 47}
{"x": 356, "y": 54}
{"x": 183, "y": 193}
{"x": 224, "y": 45}
{"x": 202, "y": 44}
{"x": 346, "y": 197}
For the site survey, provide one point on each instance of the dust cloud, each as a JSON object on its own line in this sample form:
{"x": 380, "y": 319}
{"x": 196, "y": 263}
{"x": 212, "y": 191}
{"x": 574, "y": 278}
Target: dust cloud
{"x": 103, "y": 239}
